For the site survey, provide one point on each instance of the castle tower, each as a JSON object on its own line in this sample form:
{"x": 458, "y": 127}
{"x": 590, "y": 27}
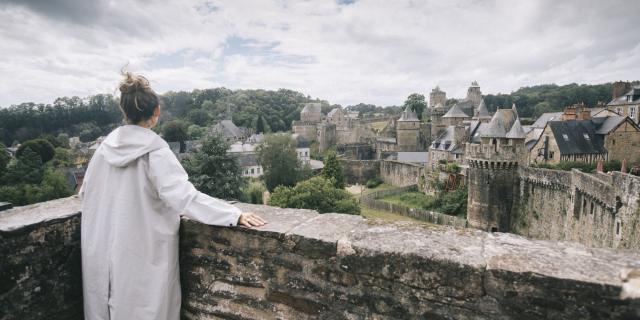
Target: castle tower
{"x": 482, "y": 113}
{"x": 474, "y": 94}
{"x": 437, "y": 123}
{"x": 436, "y": 97}
{"x": 493, "y": 172}
{"x": 408, "y": 131}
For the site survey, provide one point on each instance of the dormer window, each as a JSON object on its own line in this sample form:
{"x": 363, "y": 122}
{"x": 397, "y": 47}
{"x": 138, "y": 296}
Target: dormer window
{"x": 629, "y": 98}
{"x": 586, "y": 136}
{"x": 565, "y": 137}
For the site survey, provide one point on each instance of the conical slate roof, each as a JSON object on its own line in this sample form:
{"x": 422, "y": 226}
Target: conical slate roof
{"x": 516, "y": 131}
{"x": 408, "y": 115}
{"x": 500, "y": 124}
{"x": 455, "y": 112}
{"x": 482, "y": 110}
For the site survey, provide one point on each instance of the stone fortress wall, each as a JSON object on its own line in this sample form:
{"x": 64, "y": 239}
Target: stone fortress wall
{"x": 303, "y": 265}
{"x": 594, "y": 209}
{"x": 399, "y": 173}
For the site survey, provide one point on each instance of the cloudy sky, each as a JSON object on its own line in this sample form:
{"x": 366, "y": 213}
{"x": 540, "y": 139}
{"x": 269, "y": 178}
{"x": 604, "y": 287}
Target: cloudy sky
{"x": 344, "y": 51}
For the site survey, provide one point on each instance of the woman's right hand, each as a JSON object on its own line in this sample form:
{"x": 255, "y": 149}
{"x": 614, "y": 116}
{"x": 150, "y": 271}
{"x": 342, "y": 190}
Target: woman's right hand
{"x": 249, "y": 220}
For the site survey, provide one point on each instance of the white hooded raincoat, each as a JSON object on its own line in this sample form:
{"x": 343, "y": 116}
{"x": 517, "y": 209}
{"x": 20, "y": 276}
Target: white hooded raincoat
{"x": 133, "y": 194}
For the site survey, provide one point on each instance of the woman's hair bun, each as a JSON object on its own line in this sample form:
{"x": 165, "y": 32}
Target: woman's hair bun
{"x": 132, "y": 83}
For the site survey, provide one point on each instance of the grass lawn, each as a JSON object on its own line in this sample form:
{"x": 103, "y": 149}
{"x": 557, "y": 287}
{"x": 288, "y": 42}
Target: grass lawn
{"x": 384, "y": 215}
{"x": 416, "y": 200}
{"x": 383, "y": 186}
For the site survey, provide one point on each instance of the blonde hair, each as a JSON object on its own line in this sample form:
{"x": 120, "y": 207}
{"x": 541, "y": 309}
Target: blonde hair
{"x": 137, "y": 100}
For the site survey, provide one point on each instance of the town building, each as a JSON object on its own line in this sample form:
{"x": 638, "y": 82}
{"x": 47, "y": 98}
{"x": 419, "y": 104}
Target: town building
{"x": 626, "y": 100}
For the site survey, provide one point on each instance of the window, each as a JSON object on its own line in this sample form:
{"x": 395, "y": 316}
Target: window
{"x": 252, "y": 170}
{"x": 306, "y": 153}
{"x": 551, "y": 154}
{"x": 619, "y": 111}
{"x": 632, "y": 113}
{"x": 592, "y": 207}
{"x": 629, "y": 98}
{"x": 586, "y": 136}
{"x": 565, "y": 137}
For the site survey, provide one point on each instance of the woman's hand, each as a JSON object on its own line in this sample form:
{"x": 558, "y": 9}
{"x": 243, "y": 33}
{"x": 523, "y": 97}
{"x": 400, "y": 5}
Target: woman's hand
{"x": 249, "y": 220}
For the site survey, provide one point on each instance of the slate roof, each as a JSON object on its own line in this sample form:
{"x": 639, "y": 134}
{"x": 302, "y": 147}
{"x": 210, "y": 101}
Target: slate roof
{"x": 446, "y": 141}
{"x": 248, "y": 160}
{"x": 541, "y": 122}
{"x": 577, "y": 137}
{"x": 482, "y": 110}
{"x": 455, "y": 112}
{"x": 634, "y": 92}
{"x": 516, "y": 131}
{"x": 408, "y": 115}
{"x": 500, "y": 124}
{"x": 332, "y": 112}
{"x": 227, "y": 129}
{"x": 312, "y": 107}
{"x": 414, "y": 157}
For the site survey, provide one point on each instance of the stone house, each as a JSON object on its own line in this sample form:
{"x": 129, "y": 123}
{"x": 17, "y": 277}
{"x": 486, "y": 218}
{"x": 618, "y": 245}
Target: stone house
{"x": 588, "y": 140}
{"x": 626, "y": 100}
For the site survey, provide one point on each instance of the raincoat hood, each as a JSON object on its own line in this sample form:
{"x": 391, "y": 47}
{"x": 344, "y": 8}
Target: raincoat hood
{"x": 129, "y": 142}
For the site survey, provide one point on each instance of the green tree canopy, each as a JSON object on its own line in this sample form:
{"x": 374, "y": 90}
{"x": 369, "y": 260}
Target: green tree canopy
{"x": 417, "y": 103}
{"x": 4, "y": 157}
{"x": 277, "y": 155}
{"x": 175, "y": 131}
{"x": 333, "y": 170}
{"x": 40, "y": 146}
{"x": 316, "y": 193}
{"x": 214, "y": 171}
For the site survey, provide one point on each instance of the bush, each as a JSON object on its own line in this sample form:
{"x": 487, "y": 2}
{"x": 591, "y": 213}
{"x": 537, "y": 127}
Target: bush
{"x": 316, "y": 193}
{"x": 373, "y": 182}
{"x": 452, "y": 167}
{"x": 253, "y": 192}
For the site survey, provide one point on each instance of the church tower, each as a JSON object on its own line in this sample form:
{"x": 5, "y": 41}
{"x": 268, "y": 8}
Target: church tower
{"x": 493, "y": 171}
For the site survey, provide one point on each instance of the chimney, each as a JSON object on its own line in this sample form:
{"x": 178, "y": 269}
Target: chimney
{"x": 569, "y": 113}
{"x": 620, "y": 88}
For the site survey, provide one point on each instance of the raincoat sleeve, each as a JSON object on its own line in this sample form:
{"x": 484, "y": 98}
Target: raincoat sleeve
{"x": 173, "y": 187}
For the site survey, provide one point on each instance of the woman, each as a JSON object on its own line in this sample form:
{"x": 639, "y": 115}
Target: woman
{"x": 133, "y": 194}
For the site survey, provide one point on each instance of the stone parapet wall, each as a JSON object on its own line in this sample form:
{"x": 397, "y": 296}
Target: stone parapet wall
{"x": 303, "y": 265}
{"x": 40, "y": 271}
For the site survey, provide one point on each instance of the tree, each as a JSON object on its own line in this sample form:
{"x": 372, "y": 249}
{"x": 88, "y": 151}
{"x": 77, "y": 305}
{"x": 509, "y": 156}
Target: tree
{"x": 4, "y": 157}
{"x": 333, "y": 170}
{"x": 40, "y": 146}
{"x": 199, "y": 117}
{"x": 277, "y": 155}
{"x": 260, "y": 124}
{"x": 214, "y": 171}
{"x": 175, "y": 131}
{"x": 62, "y": 158}
{"x": 417, "y": 103}
{"x": 316, "y": 193}
{"x": 195, "y": 132}
{"x": 27, "y": 169}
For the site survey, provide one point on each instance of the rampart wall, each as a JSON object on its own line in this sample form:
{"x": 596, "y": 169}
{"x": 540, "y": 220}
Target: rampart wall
{"x": 359, "y": 171}
{"x": 400, "y": 173}
{"x": 303, "y": 265}
{"x": 594, "y": 209}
